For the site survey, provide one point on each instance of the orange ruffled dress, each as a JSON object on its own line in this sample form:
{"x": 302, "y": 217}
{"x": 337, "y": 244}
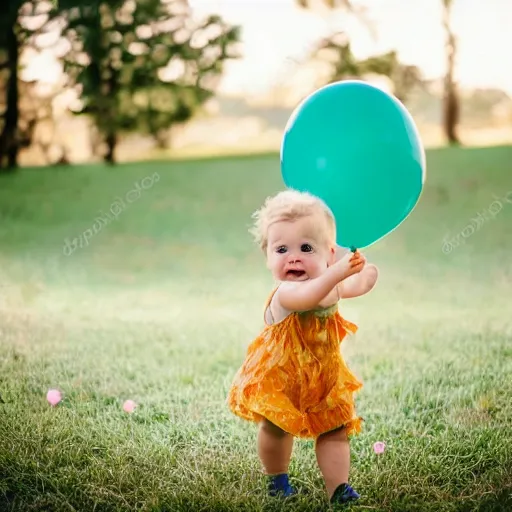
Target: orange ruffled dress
{"x": 295, "y": 376}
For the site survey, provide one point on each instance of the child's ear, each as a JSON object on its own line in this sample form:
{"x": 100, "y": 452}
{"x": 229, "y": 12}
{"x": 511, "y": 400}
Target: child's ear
{"x": 332, "y": 256}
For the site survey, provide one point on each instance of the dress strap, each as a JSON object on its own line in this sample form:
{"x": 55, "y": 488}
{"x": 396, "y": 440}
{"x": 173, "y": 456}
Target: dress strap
{"x": 267, "y": 308}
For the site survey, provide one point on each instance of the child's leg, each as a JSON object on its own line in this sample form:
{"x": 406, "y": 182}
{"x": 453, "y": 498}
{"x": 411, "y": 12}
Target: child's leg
{"x": 333, "y": 456}
{"x": 274, "y": 448}
{"x": 275, "y": 451}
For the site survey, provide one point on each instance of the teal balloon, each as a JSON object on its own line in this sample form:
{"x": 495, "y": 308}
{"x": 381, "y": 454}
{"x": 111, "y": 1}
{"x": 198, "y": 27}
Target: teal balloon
{"x": 357, "y": 148}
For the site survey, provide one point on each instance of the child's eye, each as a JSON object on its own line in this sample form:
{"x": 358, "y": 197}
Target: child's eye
{"x": 281, "y": 249}
{"x": 306, "y": 248}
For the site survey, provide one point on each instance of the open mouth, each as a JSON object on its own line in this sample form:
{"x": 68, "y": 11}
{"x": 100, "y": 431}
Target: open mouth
{"x": 295, "y": 273}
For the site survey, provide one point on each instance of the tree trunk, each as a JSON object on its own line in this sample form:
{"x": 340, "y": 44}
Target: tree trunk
{"x": 161, "y": 137}
{"x": 451, "y": 108}
{"x": 451, "y": 117}
{"x": 9, "y": 144}
{"x": 112, "y": 113}
{"x": 111, "y": 141}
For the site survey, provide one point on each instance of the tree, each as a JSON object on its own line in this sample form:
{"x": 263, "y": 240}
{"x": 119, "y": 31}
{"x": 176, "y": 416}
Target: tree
{"x": 11, "y": 35}
{"x": 405, "y": 77}
{"x": 451, "y": 102}
{"x": 22, "y": 23}
{"x": 144, "y": 65}
{"x": 345, "y": 65}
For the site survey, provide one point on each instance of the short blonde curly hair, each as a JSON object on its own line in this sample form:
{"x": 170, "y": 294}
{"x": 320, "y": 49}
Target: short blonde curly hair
{"x": 290, "y": 205}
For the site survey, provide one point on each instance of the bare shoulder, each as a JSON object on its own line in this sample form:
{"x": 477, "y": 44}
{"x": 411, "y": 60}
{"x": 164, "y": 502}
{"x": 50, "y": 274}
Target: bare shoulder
{"x": 277, "y": 310}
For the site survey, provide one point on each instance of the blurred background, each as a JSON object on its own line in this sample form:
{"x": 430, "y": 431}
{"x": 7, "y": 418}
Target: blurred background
{"x": 222, "y": 76}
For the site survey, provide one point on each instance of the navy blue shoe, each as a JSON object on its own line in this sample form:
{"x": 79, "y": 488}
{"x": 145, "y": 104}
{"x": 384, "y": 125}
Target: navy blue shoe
{"x": 278, "y": 485}
{"x": 344, "y": 494}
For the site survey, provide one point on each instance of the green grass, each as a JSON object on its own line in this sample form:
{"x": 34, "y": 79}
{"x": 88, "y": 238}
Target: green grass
{"x": 161, "y": 304}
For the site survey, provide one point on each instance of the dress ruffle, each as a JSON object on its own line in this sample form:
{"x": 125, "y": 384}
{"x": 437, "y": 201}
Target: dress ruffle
{"x": 294, "y": 375}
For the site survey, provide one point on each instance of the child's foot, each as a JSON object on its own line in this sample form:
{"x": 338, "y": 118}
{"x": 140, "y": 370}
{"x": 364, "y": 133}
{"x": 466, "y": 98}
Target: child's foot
{"x": 278, "y": 485}
{"x": 344, "y": 494}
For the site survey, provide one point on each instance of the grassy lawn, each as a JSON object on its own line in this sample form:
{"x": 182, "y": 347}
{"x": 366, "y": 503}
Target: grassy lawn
{"x": 160, "y": 303}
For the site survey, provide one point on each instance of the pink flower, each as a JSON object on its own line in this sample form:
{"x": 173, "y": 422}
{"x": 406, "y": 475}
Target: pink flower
{"x": 53, "y": 396}
{"x": 379, "y": 447}
{"x": 129, "y": 406}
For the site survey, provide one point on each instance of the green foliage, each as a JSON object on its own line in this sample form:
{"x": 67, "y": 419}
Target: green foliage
{"x": 337, "y": 49}
{"x": 404, "y": 76}
{"x": 145, "y": 65}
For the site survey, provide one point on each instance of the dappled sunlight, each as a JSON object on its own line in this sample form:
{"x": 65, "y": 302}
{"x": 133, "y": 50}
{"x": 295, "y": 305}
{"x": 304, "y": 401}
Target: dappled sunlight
{"x": 276, "y": 73}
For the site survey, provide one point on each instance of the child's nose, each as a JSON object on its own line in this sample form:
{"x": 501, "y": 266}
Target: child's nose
{"x": 294, "y": 257}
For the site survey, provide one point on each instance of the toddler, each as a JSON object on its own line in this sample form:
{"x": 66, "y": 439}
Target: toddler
{"x": 294, "y": 381}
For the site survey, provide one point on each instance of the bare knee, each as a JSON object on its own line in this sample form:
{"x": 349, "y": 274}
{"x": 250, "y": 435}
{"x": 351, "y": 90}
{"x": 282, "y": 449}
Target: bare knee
{"x": 268, "y": 427}
{"x": 337, "y": 434}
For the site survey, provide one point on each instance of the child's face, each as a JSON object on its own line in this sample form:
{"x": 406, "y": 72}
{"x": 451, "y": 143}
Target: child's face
{"x": 299, "y": 250}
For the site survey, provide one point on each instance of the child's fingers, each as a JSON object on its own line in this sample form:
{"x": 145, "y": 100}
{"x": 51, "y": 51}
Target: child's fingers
{"x": 357, "y": 255}
{"x": 360, "y": 260}
{"x": 357, "y": 267}
{"x": 356, "y": 259}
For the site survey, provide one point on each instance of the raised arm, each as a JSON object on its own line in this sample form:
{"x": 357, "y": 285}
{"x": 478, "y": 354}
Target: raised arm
{"x": 358, "y": 284}
{"x": 303, "y": 296}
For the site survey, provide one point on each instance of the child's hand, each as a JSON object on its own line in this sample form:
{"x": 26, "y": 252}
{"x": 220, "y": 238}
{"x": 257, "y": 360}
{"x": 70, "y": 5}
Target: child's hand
{"x": 350, "y": 264}
{"x": 303, "y": 296}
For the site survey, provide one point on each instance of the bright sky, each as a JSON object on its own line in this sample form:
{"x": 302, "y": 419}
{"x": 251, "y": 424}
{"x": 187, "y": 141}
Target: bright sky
{"x": 275, "y": 30}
